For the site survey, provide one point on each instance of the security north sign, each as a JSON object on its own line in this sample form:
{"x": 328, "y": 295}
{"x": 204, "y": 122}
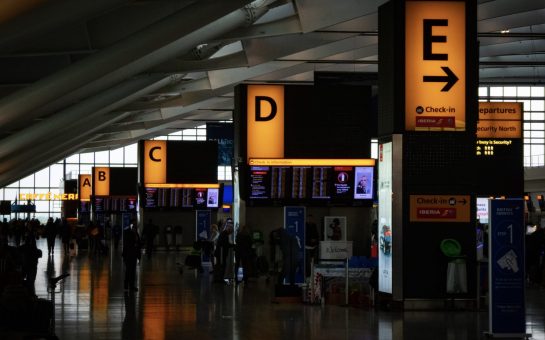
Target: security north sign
{"x": 435, "y": 65}
{"x": 440, "y": 208}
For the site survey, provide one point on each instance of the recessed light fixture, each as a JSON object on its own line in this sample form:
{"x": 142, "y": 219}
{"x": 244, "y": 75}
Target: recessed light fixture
{"x": 504, "y": 31}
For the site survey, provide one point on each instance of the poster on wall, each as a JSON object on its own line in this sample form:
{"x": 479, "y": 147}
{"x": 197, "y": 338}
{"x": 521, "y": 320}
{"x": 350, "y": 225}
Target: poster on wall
{"x": 294, "y": 224}
{"x": 384, "y": 231}
{"x": 335, "y": 228}
{"x": 363, "y": 186}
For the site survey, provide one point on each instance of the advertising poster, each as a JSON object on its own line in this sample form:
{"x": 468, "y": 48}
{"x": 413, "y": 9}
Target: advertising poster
{"x": 222, "y": 133}
{"x": 212, "y": 198}
{"x": 384, "y": 232}
{"x": 335, "y": 228}
{"x": 506, "y": 270}
{"x": 363, "y": 183}
{"x": 202, "y": 218}
{"x": 294, "y": 223}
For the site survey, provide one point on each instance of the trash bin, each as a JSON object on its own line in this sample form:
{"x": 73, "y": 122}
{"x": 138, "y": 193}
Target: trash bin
{"x": 456, "y": 267}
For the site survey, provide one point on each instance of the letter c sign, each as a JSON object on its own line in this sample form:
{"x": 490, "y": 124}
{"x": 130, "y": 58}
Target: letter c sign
{"x": 155, "y": 161}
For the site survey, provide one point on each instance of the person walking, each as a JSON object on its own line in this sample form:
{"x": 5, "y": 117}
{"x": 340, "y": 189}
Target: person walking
{"x": 50, "y": 234}
{"x": 243, "y": 253}
{"x": 131, "y": 253}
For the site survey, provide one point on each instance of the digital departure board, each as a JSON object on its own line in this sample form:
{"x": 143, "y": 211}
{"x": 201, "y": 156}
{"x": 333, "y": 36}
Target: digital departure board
{"x": 320, "y": 185}
{"x": 180, "y": 198}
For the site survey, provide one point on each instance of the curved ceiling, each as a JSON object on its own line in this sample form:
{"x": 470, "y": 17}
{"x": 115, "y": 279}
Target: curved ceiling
{"x": 79, "y": 75}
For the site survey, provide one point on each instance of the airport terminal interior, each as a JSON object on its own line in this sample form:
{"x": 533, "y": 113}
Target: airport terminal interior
{"x": 378, "y": 166}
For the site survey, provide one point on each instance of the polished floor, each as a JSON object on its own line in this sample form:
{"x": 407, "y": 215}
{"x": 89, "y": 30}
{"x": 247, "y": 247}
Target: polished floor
{"x": 91, "y": 304}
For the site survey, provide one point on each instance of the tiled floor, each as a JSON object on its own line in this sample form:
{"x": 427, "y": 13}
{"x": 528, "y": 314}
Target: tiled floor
{"x": 170, "y": 305}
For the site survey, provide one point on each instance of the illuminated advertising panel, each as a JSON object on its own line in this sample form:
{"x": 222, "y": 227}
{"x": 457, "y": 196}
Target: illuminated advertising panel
{"x": 385, "y": 218}
{"x": 435, "y": 66}
{"x": 265, "y": 121}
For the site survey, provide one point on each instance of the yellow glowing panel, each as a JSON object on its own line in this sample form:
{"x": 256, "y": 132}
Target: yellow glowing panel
{"x": 499, "y": 129}
{"x": 85, "y": 187}
{"x": 311, "y": 162}
{"x": 265, "y": 121}
{"x": 500, "y": 111}
{"x": 155, "y": 161}
{"x": 101, "y": 181}
{"x": 183, "y": 186}
{"x": 435, "y": 54}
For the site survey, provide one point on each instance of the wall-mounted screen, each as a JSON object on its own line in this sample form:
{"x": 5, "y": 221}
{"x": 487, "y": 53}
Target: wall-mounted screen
{"x": 319, "y": 185}
{"x": 181, "y": 198}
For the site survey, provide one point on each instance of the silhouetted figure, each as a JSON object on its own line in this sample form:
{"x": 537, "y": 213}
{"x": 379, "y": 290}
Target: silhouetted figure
{"x": 30, "y": 254}
{"x": 131, "y": 253}
{"x": 243, "y": 253}
{"x": 50, "y": 234}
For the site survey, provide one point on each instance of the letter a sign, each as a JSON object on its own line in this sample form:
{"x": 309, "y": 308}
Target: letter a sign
{"x": 435, "y": 65}
{"x": 265, "y": 121}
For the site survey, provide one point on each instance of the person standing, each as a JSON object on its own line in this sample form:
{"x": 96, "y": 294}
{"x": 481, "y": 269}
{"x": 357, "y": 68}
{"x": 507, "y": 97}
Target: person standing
{"x": 50, "y": 234}
{"x": 243, "y": 253}
{"x": 149, "y": 233}
{"x": 31, "y": 254}
{"x": 66, "y": 236}
{"x": 131, "y": 253}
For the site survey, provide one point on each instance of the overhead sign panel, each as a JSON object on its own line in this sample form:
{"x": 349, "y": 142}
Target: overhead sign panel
{"x": 435, "y": 66}
{"x": 101, "y": 181}
{"x": 265, "y": 119}
{"x": 155, "y": 161}
{"x": 440, "y": 208}
{"x": 499, "y": 120}
{"x": 85, "y": 187}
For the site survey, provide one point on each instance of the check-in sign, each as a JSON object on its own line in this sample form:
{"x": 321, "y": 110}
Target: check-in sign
{"x": 435, "y": 65}
{"x": 440, "y": 208}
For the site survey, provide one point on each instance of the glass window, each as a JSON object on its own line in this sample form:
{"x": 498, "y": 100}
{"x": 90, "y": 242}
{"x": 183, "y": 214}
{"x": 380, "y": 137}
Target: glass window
{"x": 483, "y": 91}
{"x": 11, "y": 194}
{"x": 527, "y": 115}
{"x": 201, "y": 132}
{"x": 537, "y": 134}
{"x": 510, "y": 91}
{"x": 496, "y": 91}
{"x": 1, "y": 194}
{"x": 27, "y": 181}
{"x": 42, "y": 206}
{"x": 537, "y": 115}
{"x": 116, "y": 156}
{"x": 170, "y": 137}
{"x": 73, "y": 159}
{"x": 161, "y": 138}
{"x": 56, "y": 174}
{"x": 72, "y": 171}
{"x": 88, "y": 157}
{"x": 102, "y": 157}
{"x": 537, "y": 105}
{"x": 14, "y": 185}
{"x": 86, "y": 169}
{"x": 131, "y": 154}
{"x": 42, "y": 178}
{"x": 221, "y": 173}
{"x": 537, "y": 126}
{"x": 201, "y": 138}
{"x": 538, "y": 91}
{"x": 523, "y": 91}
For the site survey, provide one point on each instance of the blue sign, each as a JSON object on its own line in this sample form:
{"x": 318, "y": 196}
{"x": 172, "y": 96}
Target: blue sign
{"x": 294, "y": 223}
{"x": 203, "y": 228}
{"x": 506, "y": 269}
{"x": 223, "y": 133}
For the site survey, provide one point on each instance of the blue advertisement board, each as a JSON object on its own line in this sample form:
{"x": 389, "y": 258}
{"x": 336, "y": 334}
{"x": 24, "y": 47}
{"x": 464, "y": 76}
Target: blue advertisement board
{"x": 294, "y": 223}
{"x": 203, "y": 218}
{"x": 506, "y": 270}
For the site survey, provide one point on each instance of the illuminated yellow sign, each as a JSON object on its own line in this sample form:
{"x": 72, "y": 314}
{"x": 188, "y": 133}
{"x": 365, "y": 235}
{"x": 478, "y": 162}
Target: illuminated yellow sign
{"x": 265, "y": 121}
{"x": 48, "y": 196}
{"x": 85, "y": 187}
{"x": 499, "y": 120}
{"x": 435, "y": 67}
{"x": 485, "y": 147}
{"x": 311, "y": 162}
{"x": 155, "y": 161}
{"x": 101, "y": 181}
{"x": 440, "y": 208}
{"x": 182, "y": 186}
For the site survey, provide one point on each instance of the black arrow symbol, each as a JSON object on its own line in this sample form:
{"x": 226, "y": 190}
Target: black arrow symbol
{"x": 450, "y": 79}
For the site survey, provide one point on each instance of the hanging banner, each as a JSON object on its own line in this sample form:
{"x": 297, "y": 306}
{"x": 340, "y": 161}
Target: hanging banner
{"x": 506, "y": 272}
{"x": 294, "y": 223}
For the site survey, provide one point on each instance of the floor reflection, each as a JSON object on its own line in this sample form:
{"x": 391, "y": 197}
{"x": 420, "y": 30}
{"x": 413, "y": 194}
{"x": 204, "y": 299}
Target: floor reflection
{"x": 91, "y": 304}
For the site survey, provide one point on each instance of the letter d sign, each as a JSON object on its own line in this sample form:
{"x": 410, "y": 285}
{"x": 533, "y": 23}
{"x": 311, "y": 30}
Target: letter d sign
{"x": 265, "y": 121}
{"x": 155, "y": 162}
